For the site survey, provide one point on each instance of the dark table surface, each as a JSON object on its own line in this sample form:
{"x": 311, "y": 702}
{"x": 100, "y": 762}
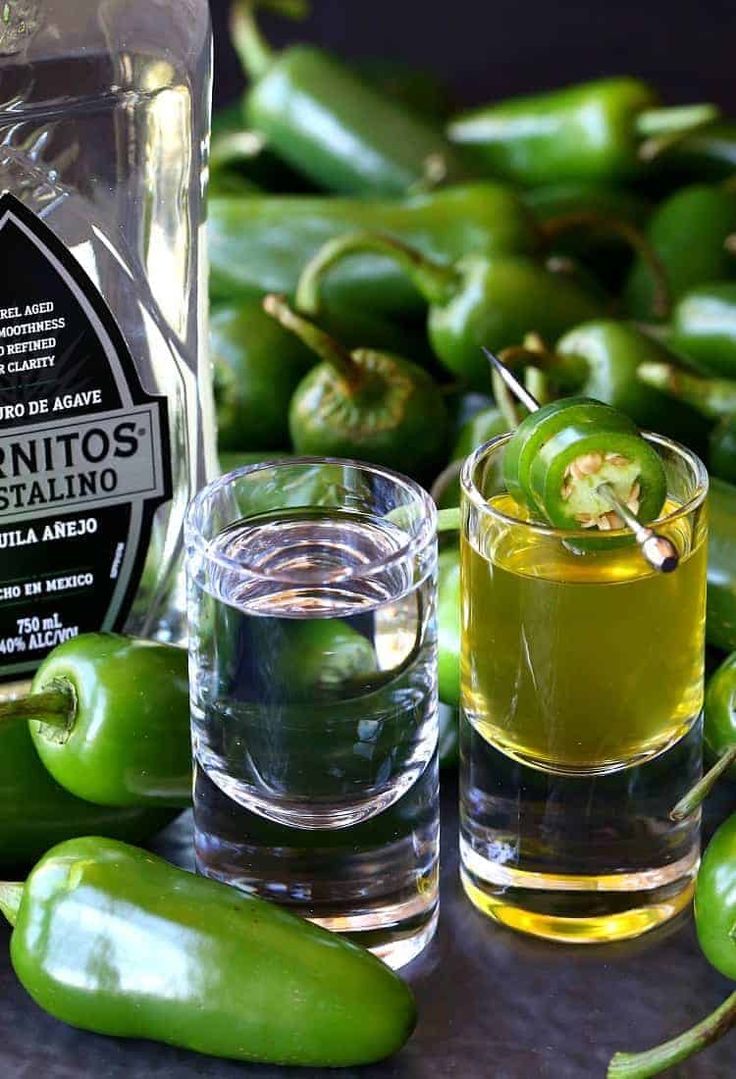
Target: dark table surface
{"x": 491, "y": 1004}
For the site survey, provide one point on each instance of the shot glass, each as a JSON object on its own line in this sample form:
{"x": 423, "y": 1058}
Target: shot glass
{"x": 311, "y": 588}
{"x": 582, "y": 690}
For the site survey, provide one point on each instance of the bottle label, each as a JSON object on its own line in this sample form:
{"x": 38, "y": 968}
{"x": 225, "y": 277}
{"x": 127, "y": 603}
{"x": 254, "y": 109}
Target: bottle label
{"x": 84, "y": 451}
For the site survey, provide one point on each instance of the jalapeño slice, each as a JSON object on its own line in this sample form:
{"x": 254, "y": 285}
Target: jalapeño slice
{"x": 538, "y": 427}
{"x": 561, "y": 456}
{"x": 568, "y": 472}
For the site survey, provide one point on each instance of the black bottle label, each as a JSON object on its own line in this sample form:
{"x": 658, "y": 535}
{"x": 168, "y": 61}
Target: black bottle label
{"x": 84, "y": 451}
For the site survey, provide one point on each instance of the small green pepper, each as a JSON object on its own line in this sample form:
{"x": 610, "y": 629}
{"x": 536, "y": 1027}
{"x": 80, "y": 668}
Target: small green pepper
{"x": 241, "y": 160}
{"x": 704, "y": 328}
{"x": 714, "y": 398}
{"x": 719, "y": 735}
{"x": 478, "y": 301}
{"x": 364, "y": 404}
{"x": 260, "y": 245}
{"x": 719, "y": 724}
{"x": 707, "y": 152}
{"x": 601, "y": 359}
{"x": 36, "y": 813}
{"x": 589, "y": 131}
{"x": 257, "y": 367}
{"x": 689, "y": 233}
{"x": 110, "y": 720}
{"x": 715, "y": 900}
{"x": 322, "y": 657}
{"x": 715, "y": 919}
{"x": 111, "y": 939}
{"x": 334, "y": 127}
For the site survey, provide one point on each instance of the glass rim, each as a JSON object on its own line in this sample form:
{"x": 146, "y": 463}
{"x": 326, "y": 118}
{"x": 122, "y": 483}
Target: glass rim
{"x": 470, "y": 491}
{"x": 425, "y": 534}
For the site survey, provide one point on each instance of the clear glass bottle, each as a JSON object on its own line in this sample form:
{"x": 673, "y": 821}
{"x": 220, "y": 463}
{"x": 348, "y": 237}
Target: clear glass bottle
{"x": 106, "y": 417}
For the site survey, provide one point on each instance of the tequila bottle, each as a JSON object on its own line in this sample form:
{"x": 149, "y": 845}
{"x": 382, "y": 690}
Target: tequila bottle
{"x": 106, "y": 417}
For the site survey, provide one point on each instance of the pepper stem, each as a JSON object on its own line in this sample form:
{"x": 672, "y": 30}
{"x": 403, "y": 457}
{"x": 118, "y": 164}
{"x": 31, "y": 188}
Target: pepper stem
{"x": 674, "y": 118}
{"x": 713, "y": 397}
{"x": 327, "y": 347}
{"x": 697, "y": 795}
{"x": 654, "y": 1061}
{"x": 630, "y": 234}
{"x": 254, "y": 52}
{"x": 436, "y": 282}
{"x": 11, "y": 894}
{"x": 55, "y": 707}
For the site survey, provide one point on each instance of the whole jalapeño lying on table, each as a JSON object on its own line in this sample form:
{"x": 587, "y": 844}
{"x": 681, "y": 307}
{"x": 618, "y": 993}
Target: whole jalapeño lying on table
{"x": 582, "y": 672}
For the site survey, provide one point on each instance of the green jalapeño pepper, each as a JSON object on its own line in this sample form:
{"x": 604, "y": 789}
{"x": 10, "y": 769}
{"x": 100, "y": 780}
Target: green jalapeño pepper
{"x": 689, "y": 233}
{"x": 260, "y": 245}
{"x": 721, "y": 606}
{"x": 241, "y": 161}
{"x": 719, "y": 728}
{"x": 601, "y": 359}
{"x": 715, "y": 922}
{"x": 714, "y": 398}
{"x": 477, "y": 301}
{"x": 707, "y": 152}
{"x": 590, "y": 131}
{"x": 334, "y": 127}
{"x": 719, "y": 734}
{"x": 715, "y": 900}
{"x": 36, "y": 813}
{"x": 704, "y": 328}
{"x": 257, "y": 367}
{"x": 110, "y": 720}
{"x": 111, "y": 939}
{"x": 364, "y": 404}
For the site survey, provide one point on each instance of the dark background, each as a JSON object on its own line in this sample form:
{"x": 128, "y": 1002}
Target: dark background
{"x": 487, "y": 48}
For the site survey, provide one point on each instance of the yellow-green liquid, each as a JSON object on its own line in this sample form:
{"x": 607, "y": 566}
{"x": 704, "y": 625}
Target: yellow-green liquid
{"x": 580, "y": 662}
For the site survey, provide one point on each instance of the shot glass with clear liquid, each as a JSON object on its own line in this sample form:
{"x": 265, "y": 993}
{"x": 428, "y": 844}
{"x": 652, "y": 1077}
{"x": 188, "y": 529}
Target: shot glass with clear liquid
{"x": 582, "y": 689}
{"x": 313, "y": 695}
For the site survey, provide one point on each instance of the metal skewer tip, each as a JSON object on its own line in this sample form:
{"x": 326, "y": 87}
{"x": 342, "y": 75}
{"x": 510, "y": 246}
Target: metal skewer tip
{"x": 517, "y": 388}
{"x": 659, "y": 552}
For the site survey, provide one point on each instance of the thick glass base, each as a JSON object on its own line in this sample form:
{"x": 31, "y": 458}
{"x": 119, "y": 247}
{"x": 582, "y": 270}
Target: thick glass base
{"x": 377, "y": 882}
{"x": 579, "y": 859}
{"x": 590, "y": 916}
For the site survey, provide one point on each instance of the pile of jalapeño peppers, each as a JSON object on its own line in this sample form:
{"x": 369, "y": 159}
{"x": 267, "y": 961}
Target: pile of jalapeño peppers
{"x": 366, "y": 245}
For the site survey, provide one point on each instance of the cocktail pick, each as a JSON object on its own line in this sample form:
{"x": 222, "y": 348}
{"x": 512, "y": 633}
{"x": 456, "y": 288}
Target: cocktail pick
{"x": 659, "y": 551}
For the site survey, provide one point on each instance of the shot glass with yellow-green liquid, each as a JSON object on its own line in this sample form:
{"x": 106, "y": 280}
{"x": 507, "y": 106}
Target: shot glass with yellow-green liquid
{"x": 582, "y": 690}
